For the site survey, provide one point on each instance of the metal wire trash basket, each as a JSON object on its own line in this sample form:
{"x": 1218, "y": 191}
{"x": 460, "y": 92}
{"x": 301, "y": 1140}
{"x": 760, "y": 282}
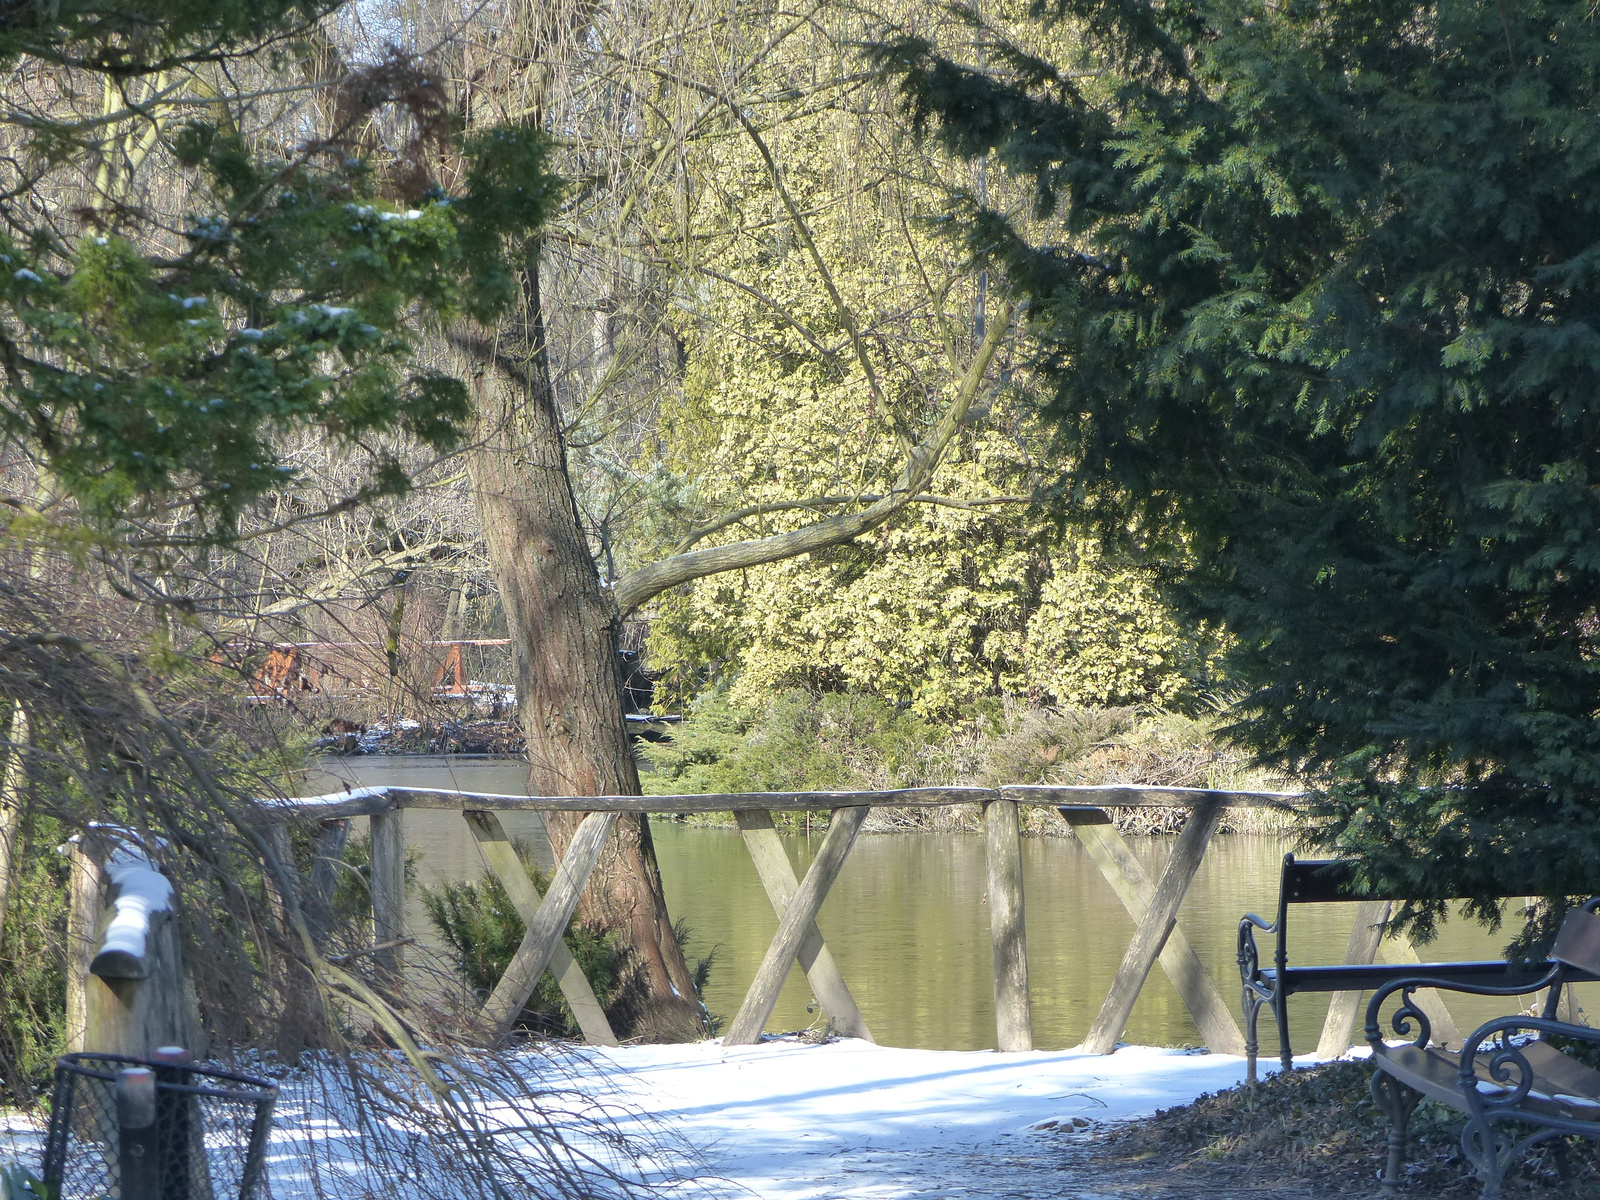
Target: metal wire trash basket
{"x": 142, "y": 1129}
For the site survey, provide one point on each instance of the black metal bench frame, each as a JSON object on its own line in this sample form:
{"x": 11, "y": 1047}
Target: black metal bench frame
{"x": 1492, "y": 1080}
{"x": 1323, "y": 881}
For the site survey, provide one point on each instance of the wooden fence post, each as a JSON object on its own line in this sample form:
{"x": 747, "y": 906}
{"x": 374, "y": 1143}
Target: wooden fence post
{"x": 388, "y": 883}
{"x": 1218, "y": 1029}
{"x": 1366, "y": 931}
{"x": 1446, "y": 1033}
{"x": 137, "y": 995}
{"x": 135, "y": 1010}
{"x": 83, "y": 915}
{"x": 778, "y": 878}
{"x": 1008, "y": 932}
{"x": 1151, "y": 934}
{"x": 327, "y": 859}
{"x": 549, "y": 924}
{"x": 501, "y": 857}
{"x": 1367, "y": 943}
{"x": 277, "y": 836}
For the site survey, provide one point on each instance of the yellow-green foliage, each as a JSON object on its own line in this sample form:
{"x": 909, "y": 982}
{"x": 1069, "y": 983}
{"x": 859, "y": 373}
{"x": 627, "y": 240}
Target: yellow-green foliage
{"x": 1101, "y": 635}
{"x": 945, "y": 603}
{"x": 935, "y": 612}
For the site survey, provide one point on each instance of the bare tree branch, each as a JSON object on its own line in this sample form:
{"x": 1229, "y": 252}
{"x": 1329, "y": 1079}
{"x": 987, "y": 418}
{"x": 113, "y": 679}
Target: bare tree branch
{"x": 639, "y": 586}
{"x": 339, "y": 583}
{"x": 761, "y": 510}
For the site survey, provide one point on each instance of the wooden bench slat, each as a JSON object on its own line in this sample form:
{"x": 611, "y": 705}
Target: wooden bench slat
{"x": 1436, "y": 1074}
{"x": 1363, "y": 976}
{"x": 1508, "y": 1073}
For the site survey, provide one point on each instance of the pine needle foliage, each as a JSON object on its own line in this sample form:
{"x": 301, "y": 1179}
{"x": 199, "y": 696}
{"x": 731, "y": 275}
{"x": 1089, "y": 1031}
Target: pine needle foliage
{"x": 483, "y": 930}
{"x": 183, "y": 286}
{"x": 1316, "y": 289}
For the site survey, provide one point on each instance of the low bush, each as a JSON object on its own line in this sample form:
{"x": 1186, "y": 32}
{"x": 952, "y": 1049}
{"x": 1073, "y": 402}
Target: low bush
{"x": 845, "y": 741}
{"x": 481, "y": 926}
{"x": 838, "y": 741}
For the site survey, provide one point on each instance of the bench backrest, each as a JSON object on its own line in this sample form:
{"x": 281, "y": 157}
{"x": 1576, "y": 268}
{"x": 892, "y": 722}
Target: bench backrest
{"x": 1309, "y": 881}
{"x": 1578, "y": 943}
{"x": 1328, "y": 881}
{"x": 1325, "y": 881}
{"x": 1332, "y": 880}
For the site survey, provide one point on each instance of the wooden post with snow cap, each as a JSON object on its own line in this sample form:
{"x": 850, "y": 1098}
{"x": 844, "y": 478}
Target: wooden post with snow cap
{"x": 137, "y": 995}
{"x": 1008, "y": 931}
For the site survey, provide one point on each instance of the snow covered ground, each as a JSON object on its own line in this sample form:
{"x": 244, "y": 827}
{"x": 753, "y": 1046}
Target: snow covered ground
{"x": 780, "y": 1121}
{"x": 853, "y": 1121}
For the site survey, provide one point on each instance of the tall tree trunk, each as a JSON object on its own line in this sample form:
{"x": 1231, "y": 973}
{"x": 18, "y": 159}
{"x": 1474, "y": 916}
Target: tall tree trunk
{"x": 563, "y": 625}
{"x": 12, "y": 781}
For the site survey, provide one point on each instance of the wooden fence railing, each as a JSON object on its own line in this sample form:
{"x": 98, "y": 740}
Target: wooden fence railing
{"x": 1153, "y": 905}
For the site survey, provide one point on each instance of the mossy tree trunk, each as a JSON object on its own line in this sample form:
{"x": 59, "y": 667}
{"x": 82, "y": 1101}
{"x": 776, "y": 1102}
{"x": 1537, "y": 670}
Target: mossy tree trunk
{"x": 563, "y": 625}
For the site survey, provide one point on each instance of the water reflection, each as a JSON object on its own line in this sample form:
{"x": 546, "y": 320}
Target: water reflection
{"x": 448, "y": 850}
{"x": 908, "y": 924}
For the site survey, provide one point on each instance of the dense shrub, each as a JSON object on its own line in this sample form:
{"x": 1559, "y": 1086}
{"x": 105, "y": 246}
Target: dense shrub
{"x": 838, "y": 741}
{"x": 842, "y": 741}
{"x": 33, "y": 963}
{"x": 483, "y": 929}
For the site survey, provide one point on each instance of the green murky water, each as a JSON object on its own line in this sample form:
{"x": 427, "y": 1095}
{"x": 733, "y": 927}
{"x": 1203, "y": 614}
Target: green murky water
{"x": 907, "y": 920}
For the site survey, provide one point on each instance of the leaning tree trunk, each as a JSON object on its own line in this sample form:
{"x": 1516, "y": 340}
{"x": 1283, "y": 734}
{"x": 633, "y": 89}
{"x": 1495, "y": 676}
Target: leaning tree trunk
{"x": 563, "y": 626}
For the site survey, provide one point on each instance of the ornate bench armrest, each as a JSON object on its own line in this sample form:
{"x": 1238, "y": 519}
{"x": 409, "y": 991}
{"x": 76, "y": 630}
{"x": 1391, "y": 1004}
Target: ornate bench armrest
{"x": 1408, "y": 1010}
{"x": 1491, "y": 1045}
{"x": 1249, "y": 956}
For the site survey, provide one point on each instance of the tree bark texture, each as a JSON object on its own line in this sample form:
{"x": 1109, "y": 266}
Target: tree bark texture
{"x": 12, "y": 781}
{"x": 563, "y": 625}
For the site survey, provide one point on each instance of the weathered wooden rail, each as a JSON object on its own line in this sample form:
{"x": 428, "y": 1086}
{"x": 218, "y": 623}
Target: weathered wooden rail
{"x": 1153, "y": 906}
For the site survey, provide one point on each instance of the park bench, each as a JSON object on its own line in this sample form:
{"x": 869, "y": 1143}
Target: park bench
{"x": 1508, "y": 1069}
{"x": 1323, "y": 881}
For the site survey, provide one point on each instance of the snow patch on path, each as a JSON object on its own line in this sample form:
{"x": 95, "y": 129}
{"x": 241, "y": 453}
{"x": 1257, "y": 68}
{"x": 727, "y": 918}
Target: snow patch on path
{"x": 779, "y": 1121}
{"x": 853, "y": 1121}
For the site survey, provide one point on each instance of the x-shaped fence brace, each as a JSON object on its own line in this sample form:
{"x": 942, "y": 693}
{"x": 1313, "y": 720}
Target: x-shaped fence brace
{"x": 1153, "y": 905}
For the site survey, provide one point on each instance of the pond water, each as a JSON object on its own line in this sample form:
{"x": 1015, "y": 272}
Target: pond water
{"x": 908, "y": 924}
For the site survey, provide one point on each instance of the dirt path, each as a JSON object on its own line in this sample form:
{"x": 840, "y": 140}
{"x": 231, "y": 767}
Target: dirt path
{"x": 1178, "y": 1177}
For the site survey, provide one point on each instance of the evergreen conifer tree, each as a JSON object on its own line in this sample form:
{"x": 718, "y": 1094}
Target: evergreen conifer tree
{"x": 186, "y": 286}
{"x": 1316, "y": 284}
